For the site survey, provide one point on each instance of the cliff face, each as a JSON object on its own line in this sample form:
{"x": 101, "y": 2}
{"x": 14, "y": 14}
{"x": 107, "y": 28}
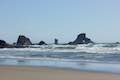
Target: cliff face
{"x": 22, "y": 40}
{"x": 81, "y": 39}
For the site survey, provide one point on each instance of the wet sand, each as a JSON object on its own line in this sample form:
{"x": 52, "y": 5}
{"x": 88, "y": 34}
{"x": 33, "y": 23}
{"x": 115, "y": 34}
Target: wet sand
{"x": 40, "y": 73}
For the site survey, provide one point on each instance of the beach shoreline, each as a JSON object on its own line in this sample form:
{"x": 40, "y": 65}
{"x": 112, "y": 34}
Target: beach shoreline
{"x": 46, "y": 73}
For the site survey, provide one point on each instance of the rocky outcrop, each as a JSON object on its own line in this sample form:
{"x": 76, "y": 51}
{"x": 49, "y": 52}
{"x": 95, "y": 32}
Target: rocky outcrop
{"x": 42, "y": 43}
{"x": 22, "y": 40}
{"x": 81, "y": 39}
{"x": 55, "y": 41}
{"x": 3, "y": 44}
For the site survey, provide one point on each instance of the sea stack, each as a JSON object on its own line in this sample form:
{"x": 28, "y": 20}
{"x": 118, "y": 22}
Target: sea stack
{"x": 42, "y": 43}
{"x": 55, "y": 41}
{"x": 3, "y": 44}
{"x": 23, "y": 40}
{"x": 81, "y": 39}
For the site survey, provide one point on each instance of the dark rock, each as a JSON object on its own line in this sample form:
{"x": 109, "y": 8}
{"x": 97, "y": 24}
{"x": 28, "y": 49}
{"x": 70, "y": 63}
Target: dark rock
{"x": 14, "y": 43}
{"x": 81, "y": 39}
{"x": 3, "y": 44}
{"x": 70, "y": 42}
{"x": 117, "y": 42}
{"x": 56, "y": 41}
{"x": 42, "y": 43}
{"x": 22, "y": 40}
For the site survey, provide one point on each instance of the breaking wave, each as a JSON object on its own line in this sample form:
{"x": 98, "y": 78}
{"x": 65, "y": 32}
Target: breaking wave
{"x": 95, "y": 57}
{"x": 88, "y": 48}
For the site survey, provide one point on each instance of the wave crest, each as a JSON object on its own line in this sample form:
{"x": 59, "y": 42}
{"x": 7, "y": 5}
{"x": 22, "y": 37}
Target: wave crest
{"x": 88, "y": 48}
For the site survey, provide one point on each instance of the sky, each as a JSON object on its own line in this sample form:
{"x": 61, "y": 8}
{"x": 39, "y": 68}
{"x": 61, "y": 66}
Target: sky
{"x": 62, "y": 19}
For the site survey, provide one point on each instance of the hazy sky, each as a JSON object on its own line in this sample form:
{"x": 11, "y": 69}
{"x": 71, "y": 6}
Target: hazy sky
{"x": 62, "y": 19}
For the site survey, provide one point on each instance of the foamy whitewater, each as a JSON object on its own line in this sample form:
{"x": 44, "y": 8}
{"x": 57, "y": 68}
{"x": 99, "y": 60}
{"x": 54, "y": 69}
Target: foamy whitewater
{"x": 91, "y": 57}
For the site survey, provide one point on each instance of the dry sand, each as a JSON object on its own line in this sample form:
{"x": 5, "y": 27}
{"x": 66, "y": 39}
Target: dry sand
{"x": 35, "y": 73}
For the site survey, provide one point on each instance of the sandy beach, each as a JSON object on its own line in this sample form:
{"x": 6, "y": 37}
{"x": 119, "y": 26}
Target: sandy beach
{"x": 35, "y": 73}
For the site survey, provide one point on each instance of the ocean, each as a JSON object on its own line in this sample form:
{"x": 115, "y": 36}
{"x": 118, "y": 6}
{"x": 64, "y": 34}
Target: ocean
{"x": 102, "y": 57}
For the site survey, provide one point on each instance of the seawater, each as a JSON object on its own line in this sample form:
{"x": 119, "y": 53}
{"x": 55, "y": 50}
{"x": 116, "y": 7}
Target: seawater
{"x": 91, "y": 57}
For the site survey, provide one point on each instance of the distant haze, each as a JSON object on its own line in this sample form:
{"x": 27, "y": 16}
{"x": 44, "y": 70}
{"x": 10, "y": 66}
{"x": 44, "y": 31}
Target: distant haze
{"x": 62, "y": 19}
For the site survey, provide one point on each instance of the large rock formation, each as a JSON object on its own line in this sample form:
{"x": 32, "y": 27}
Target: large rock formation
{"x": 81, "y": 39}
{"x": 3, "y": 44}
{"x": 42, "y": 43}
{"x": 22, "y": 40}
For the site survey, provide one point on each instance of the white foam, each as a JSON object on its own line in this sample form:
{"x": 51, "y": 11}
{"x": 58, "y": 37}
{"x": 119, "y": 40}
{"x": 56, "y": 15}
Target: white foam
{"x": 89, "y": 48}
{"x": 98, "y": 48}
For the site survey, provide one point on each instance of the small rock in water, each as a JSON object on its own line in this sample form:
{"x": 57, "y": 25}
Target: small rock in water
{"x": 42, "y": 43}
